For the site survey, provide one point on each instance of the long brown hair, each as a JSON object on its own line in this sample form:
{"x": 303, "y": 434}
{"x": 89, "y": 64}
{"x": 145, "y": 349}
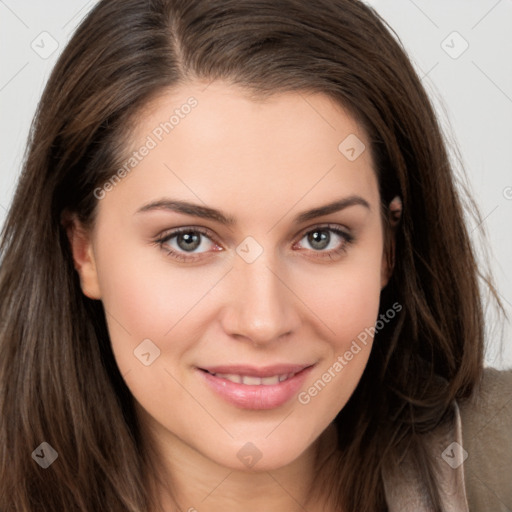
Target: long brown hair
{"x": 59, "y": 380}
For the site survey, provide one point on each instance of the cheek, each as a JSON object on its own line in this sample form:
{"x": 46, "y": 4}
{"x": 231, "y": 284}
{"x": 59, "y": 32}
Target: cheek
{"x": 345, "y": 299}
{"x": 152, "y": 299}
{"x": 352, "y": 302}
{"x": 145, "y": 296}
{"x": 347, "y": 304}
{"x": 349, "y": 309}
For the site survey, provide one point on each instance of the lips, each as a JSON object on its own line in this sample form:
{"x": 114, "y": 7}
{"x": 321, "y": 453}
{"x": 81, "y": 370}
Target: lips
{"x": 248, "y": 387}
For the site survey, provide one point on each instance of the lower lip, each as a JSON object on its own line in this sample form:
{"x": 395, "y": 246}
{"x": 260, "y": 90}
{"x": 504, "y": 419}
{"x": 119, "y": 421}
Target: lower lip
{"x": 259, "y": 396}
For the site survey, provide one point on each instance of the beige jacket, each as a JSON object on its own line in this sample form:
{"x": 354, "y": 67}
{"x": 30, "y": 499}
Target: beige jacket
{"x": 473, "y": 455}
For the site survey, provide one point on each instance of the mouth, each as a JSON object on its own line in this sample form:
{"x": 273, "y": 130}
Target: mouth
{"x": 256, "y": 388}
{"x": 253, "y": 381}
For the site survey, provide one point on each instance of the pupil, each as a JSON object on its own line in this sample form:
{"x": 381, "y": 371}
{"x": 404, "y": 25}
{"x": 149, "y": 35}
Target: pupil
{"x": 191, "y": 241}
{"x": 319, "y": 239}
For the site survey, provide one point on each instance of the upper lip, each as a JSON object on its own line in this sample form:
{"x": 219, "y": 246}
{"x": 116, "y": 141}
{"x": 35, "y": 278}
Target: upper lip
{"x": 252, "y": 371}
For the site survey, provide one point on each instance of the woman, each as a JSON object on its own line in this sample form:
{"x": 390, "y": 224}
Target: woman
{"x": 235, "y": 274}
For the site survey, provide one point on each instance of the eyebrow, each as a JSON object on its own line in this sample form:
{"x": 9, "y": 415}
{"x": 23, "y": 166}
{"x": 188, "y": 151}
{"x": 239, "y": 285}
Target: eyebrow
{"x": 205, "y": 212}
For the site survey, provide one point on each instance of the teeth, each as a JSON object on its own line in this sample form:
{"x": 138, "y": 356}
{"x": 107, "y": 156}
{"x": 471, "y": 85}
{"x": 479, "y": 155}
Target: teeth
{"x": 254, "y": 381}
{"x": 231, "y": 377}
{"x": 270, "y": 381}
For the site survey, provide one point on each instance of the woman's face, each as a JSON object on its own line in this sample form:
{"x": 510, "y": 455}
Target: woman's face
{"x": 242, "y": 337}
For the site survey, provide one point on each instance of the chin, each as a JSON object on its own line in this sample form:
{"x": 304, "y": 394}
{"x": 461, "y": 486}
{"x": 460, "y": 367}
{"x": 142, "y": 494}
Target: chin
{"x": 261, "y": 455}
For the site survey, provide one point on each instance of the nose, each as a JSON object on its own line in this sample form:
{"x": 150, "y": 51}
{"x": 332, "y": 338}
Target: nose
{"x": 261, "y": 305}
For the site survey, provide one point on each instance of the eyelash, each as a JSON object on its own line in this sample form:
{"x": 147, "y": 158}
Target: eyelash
{"x": 165, "y": 237}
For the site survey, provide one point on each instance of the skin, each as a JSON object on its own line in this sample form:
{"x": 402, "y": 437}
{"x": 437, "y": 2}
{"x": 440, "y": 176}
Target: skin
{"x": 261, "y": 162}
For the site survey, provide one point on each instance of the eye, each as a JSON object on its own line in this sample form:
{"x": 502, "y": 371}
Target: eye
{"x": 185, "y": 244}
{"x": 328, "y": 240}
{"x": 182, "y": 243}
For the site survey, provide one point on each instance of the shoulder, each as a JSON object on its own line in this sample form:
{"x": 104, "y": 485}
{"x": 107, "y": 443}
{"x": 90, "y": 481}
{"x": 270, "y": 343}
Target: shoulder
{"x": 477, "y": 479}
{"x": 486, "y": 420}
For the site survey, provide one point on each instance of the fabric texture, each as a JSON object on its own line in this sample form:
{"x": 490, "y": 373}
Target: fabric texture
{"x": 473, "y": 455}
{"x": 487, "y": 438}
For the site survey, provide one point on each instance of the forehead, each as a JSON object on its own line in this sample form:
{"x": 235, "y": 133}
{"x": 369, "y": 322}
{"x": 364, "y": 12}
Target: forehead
{"x": 215, "y": 144}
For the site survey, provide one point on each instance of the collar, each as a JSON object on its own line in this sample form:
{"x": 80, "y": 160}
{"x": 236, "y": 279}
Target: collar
{"x": 405, "y": 491}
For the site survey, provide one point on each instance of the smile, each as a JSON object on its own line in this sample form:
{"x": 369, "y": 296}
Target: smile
{"x": 249, "y": 388}
{"x": 249, "y": 380}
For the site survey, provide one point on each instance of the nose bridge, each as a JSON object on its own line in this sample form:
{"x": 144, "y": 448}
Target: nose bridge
{"x": 261, "y": 307}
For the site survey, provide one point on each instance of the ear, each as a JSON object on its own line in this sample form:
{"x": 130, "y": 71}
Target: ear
{"x": 388, "y": 254}
{"x": 83, "y": 257}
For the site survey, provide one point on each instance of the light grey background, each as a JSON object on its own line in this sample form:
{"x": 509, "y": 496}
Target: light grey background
{"x": 462, "y": 49}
